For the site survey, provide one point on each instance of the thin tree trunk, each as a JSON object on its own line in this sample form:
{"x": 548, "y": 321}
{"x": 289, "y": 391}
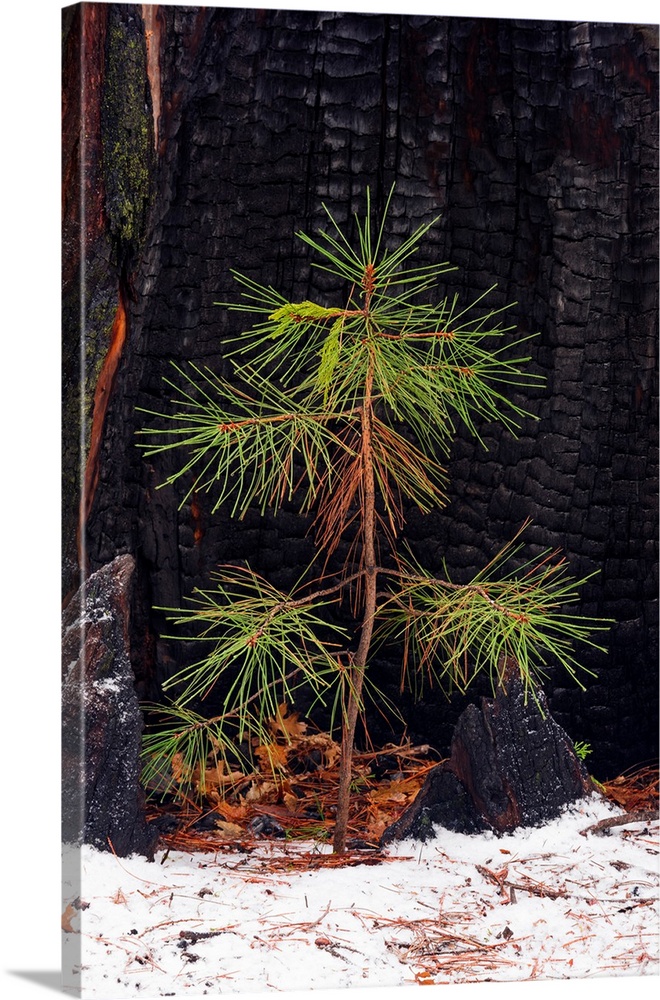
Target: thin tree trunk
{"x": 370, "y": 577}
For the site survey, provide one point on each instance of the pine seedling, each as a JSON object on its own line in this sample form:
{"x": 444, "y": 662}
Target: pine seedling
{"x": 348, "y": 409}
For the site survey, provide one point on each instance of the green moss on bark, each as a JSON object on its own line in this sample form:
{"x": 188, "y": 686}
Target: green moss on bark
{"x": 127, "y": 126}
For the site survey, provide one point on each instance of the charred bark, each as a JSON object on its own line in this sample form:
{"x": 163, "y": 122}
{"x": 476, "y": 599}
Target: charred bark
{"x": 102, "y": 798}
{"x": 511, "y": 766}
{"x": 537, "y": 142}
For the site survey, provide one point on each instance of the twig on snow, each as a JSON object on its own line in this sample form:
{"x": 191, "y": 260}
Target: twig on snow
{"x": 526, "y": 885}
{"x": 603, "y": 825}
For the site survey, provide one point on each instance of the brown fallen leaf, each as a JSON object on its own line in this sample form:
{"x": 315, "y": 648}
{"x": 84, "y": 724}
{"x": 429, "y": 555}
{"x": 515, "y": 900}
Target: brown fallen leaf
{"x": 219, "y": 775}
{"x": 229, "y": 831}
{"x": 288, "y": 725}
{"x": 260, "y": 791}
{"x": 180, "y": 772}
{"x": 291, "y": 801}
{"x": 69, "y": 912}
{"x": 272, "y": 756}
{"x": 232, "y": 812}
{"x": 322, "y": 742}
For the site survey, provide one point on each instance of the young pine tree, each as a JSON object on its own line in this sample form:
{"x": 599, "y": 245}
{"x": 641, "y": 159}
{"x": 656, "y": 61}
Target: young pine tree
{"x": 347, "y": 409}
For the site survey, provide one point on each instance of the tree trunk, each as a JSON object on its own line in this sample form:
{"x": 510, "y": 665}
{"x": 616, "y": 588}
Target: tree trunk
{"x": 537, "y": 141}
{"x": 102, "y": 798}
{"x": 511, "y": 766}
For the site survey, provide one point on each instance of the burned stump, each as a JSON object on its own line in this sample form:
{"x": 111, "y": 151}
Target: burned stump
{"x": 102, "y": 799}
{"x": 511, "y": 765}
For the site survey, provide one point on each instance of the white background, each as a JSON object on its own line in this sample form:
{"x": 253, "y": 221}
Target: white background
{"x": 30, "y": 483}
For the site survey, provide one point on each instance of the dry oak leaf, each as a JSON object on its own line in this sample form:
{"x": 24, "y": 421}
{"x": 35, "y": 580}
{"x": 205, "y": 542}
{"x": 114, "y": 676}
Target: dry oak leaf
{"x": 261, "y": 790}
{"x": 229, "y": 831}
{"x": 287, "y": 725}
{"x": 395, "y": 792}
{"x": 180, "y": 772}
{"x": 219, "y": 775}
{"x": 322, "y": 742}
{"x": 231, "y": 812}
{"x": 377, "y": 825}
{"x": 291, "y": 801}
{"x": 217, "y": 783}
{"x": 272, "y": 756}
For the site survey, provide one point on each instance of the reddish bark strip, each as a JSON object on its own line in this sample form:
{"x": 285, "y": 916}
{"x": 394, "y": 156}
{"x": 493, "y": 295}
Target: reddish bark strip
{"x": 102, "y": 396}
{"x": 153, "y": 25}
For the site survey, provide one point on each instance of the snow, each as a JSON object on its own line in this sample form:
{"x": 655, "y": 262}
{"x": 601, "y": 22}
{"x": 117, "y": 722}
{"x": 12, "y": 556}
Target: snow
{"x": 547, "y": 903}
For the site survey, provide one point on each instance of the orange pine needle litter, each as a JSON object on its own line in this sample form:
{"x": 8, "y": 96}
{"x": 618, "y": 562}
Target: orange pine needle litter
{"x": 304, "y": 804}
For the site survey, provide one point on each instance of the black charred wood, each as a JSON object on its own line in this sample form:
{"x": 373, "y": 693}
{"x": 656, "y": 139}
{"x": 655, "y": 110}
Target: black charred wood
{"x": 511, "y": 766}
{"x": 537, "y": 144}
{"x": 103, "y": 803}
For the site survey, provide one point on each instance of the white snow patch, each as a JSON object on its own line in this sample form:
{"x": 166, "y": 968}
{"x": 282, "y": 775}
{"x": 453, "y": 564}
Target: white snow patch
{"x": 541, "y": 904}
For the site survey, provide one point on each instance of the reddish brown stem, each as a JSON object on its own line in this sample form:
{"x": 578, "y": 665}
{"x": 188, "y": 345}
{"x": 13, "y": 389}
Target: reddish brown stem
{"x": 370, "y": 570}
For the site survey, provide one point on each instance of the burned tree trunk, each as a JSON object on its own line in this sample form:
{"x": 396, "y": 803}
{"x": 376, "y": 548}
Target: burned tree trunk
{"x": 102, "y": 798}
{"x": 536, "y": 142}
{"x": 511, "y": 765}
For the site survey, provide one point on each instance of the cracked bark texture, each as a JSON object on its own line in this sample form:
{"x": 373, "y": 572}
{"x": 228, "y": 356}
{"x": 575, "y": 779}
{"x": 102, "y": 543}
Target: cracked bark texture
{"x": 537, "y": 142}
{"x": 102, "y": 798}
{"x": 511, "y": 765}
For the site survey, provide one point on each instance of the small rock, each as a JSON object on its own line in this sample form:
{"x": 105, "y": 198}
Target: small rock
{"x": 265, "y": 826}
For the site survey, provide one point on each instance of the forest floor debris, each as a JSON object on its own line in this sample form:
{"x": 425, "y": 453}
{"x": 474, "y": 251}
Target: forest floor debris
{"x": 552, "y": 902}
